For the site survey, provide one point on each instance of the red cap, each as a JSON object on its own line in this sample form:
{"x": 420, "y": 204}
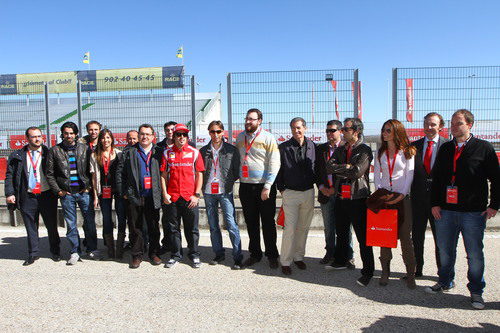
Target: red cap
{"x": 181, "y": 128}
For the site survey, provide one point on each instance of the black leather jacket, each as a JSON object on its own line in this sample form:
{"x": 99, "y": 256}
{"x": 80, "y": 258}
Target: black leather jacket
{"x": 357, "y": 174}
{"x": 229, "y": 161}
{"x": 58, "y": 167}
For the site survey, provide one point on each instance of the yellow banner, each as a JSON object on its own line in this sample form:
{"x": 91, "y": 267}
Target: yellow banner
{"x": 60, "y": 82}
{"x": 123, "y": 79}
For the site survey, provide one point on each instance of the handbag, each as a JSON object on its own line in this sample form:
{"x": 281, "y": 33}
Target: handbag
{"x": 382, "y": 228}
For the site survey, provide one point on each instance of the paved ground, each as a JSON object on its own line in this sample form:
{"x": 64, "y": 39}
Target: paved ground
{"x": 108, "y": 296}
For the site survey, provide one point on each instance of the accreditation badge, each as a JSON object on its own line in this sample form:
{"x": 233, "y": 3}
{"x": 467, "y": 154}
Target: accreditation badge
{"x": 37, "y": 189}
{"x": 244, "y": 171}
{"x": 345, "y": 191}
{"x": 106, "y": 192}
{"x": 215, "y": 186}
{"x": 451, "y": 195}
{"x": 147, "y": 182}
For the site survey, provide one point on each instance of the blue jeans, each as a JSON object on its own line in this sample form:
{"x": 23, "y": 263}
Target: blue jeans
{"x": 448, "y": 228}
{"x": 68, "y": 203}
{"x": 107, "y": 210}
{"x": 227, "y": 204}
{"x": 327, "y": 211}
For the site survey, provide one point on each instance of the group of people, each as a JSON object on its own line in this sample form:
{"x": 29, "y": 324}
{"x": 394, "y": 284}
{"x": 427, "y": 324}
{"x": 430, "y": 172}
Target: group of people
{"x": 432, "y": 179}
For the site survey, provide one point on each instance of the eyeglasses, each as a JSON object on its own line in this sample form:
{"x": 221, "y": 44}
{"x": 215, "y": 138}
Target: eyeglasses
{"x": 346, "y": 129}
{"x": 386, "y": 130}
{"x": 331, "y": 130}
{"x": 251, "y": 119}
{"x": 215, "y": 131}
{"x": 179, "y": 134}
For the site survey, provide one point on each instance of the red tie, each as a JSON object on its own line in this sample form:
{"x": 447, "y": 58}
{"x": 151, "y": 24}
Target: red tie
{"x": 428, "y": 157}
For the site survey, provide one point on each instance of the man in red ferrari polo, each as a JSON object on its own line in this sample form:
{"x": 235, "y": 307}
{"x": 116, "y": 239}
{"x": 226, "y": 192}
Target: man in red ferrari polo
{"x": 182, "y": 179}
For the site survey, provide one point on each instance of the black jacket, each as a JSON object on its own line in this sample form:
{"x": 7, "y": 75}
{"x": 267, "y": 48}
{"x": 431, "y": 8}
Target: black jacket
{"x": 58, "y": 167}
{"x": 292, "y": 174}
{"x": 229, "y": 162}
{"x": 421, "y": 185}
{"x": 357, "y": 175}
{"x": 477, "y": 164}
{"x": 128, "y": 172}
{"x": 322, "y": 157}
{"x": 16, "y": 176}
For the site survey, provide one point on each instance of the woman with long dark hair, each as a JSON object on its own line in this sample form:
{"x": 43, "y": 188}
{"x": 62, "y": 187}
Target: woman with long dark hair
{"x": 393, "y": 172}
{"x": 103, "y": 163}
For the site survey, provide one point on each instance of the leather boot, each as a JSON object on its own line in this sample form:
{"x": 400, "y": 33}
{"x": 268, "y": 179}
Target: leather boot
{"x": 119, "y": 245}
{"x": 410, "y": 277}
{"x": 110, "y": 244}
{"x": 386, "y": 272}
{"x": 410, "y": 263}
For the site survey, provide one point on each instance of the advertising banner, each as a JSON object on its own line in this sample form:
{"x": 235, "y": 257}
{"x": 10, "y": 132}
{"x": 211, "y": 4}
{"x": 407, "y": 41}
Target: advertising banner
{"x": 409, "y": 100}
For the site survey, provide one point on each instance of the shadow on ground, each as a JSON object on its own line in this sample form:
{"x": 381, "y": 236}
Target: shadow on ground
{"x": 404, "y": 324}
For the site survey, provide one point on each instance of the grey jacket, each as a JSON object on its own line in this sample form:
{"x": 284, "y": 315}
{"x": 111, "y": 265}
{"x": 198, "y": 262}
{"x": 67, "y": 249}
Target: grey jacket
{"x": 357, "y": 174}
{"x": 229, "y": 159}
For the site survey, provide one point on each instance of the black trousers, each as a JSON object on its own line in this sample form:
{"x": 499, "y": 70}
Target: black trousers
{"x": 421, "y": 214}
{"x": 353, "y": 212}
{"x": 168, "y": 215}
{"x": 255, "y": 210}
{"x": 136, "y": 217}
{"x": 190, "y": 218}
{"x": 31, "y": 207}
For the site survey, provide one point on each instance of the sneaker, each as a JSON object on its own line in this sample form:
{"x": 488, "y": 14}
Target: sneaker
{"x": 196, "y": 263}
{"x": 217, "y": 260}
{"x": 364, "y": 280}
{"x": 335, "y": 266}
{"x": 171, "y": 263}
{"x": 73, "y": 259}
{"x": 477, "y": 301}
{"x": 237, "y": 266}
{"x": 437, "y": 288}
{"x": 350, "y": 264}
{"x": 95, "y": 255}
{"x": 326, "y": 260}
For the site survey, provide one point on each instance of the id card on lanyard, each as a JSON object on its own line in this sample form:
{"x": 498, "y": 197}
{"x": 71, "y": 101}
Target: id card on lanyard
{"x": 244, "y": 167}
{"x": 106, "y": 189}
{"x": 147, "y": 176}
{"x": 214, "y": 187}
{"x": 38, "y": 188}
{"x": 390, "y": 166}
{"x": 452, "y": 191}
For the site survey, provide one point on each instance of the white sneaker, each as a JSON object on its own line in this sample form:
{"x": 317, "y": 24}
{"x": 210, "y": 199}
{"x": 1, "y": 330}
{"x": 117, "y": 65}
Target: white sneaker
{"x": 477, "y": 301}
{"x": 196, "y": 263}
{"x": 73, "y": 259}
{"x": 171, "y": 263}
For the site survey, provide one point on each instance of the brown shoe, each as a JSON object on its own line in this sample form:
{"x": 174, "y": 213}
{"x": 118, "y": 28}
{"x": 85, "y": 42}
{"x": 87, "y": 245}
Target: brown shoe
{"x": 300, "y": 264}
{"x": 136, "y": 262}
{"x": 273, "y": 263}
{"x": 155, "y": 260}
{"x": 286, "y": 270}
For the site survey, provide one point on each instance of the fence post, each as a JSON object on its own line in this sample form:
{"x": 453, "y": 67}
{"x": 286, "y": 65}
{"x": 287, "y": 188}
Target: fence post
{"x": 229, "y": 109}
{"x": 394, "y": 93}
{"x": 355, "y": 93}
{"x": 79, "y": 103}
{"x": 47, "y": 114}
{"x": 193, "y": 111}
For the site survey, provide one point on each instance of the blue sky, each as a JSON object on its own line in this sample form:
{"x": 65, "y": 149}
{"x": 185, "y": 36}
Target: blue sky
{"x": 228, "y": 36}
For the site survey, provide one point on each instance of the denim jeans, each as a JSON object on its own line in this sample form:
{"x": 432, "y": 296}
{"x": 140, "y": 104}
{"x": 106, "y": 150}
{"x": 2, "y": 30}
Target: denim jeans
{"x": 328, "y": 213}
{"x": 69, "y": 203}
{"x": 226, "y": 202}
{"x": 107, "y": 211}
{"x": 448, "y": 228}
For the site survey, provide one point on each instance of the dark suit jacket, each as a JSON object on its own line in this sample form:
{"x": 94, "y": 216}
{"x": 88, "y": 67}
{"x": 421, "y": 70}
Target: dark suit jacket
{"x": 322, "y": 156}
{"x": 16, "y": 177}
{"x": 421, "y": 186}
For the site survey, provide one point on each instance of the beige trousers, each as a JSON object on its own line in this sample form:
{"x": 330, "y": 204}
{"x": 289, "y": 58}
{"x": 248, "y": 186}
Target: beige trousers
{"x": 299, "y": 209}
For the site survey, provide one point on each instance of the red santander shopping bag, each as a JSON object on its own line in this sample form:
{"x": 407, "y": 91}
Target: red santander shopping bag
{"x": 281, "y": 218}
{"x": 382, "y": 228}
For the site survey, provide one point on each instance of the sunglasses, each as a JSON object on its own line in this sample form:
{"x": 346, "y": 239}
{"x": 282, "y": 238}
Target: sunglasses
{"x": 179, "y": 134}
{"x": 215, "y": 131}
{"x": 331, "y": 130}
{"x": 386, "y": 130}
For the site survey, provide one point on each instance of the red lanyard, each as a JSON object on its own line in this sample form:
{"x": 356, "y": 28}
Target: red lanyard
{"x": 391, "y": 167}
{"x": 146, "y": 160}
{"x": 34, "y": 165}
{"x": 105, "y": 165}
{"x": 349, "y": 154}
{"x": 215, "y": 162}
{"x": 247, "y": 146}
{"x": 456, "y": 155}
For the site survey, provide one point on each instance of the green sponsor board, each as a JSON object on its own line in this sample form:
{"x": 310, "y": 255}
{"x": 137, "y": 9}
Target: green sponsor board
{"x": 60, "y": 82}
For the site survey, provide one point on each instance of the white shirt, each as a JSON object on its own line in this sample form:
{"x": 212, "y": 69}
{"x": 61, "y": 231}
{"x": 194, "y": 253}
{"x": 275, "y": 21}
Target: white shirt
{"x": 434, "y": 149}
{"x": 39, "y": 170}
{"x": 402, "y": 175}
{"x": 215, "y": 172}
